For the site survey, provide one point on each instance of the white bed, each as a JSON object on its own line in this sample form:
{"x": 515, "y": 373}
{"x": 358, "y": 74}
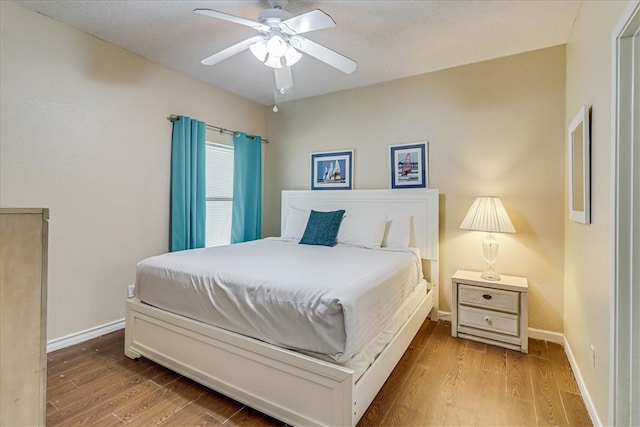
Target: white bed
{"x": 297, "y": 388}
{"x": 283, "y": 292}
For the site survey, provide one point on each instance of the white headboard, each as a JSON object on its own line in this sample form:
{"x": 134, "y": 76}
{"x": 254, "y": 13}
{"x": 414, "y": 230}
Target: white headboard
{"x": 420, "y": 204}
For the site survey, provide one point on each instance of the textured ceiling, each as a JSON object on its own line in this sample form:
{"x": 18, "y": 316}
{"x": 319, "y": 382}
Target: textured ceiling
{"x": 388, "y": 39}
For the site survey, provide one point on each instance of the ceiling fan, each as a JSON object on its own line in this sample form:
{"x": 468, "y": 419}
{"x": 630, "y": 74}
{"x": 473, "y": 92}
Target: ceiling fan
{"x": 280, "y": 44}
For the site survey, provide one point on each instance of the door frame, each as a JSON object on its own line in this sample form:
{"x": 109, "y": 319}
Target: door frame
{"x": 625, "y": 220}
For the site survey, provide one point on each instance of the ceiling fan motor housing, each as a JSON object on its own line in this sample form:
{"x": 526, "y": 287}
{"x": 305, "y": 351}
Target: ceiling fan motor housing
{"x": 273, "y": 17}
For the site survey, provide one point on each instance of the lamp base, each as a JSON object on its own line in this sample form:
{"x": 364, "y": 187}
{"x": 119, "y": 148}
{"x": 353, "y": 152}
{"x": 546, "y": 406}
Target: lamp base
{"x": 490, "y": 274}
{"x": 490, "y": 252}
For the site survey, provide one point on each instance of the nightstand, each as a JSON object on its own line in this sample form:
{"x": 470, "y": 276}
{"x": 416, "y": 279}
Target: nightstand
{"x": 493, "y": 312}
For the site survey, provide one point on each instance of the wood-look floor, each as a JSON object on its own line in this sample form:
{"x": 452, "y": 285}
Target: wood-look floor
{"x": 440, "y": 381}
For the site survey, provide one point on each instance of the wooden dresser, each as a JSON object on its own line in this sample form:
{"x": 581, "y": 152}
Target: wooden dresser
{"x": 23, "y": 316}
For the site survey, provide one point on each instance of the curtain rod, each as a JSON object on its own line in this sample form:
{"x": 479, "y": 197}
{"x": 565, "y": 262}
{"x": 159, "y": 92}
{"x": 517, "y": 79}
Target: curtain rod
{"x": 172, "y": 118}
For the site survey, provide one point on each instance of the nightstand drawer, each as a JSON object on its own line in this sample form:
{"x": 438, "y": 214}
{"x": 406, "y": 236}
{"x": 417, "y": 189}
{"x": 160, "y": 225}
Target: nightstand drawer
{"x": 493, "y": 321}
{"x": 494, "y": 299}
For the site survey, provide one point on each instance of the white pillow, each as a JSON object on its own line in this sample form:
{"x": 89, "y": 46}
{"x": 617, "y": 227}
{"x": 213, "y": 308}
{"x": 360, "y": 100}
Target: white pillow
{"x": 397, "y": 233}
{"x": 362, "y": 230}
{"x": 296, "y": 223}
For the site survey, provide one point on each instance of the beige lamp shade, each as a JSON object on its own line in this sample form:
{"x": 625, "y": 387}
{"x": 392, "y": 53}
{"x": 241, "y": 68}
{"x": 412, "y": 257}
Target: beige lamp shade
{"x": 487, "y": 214}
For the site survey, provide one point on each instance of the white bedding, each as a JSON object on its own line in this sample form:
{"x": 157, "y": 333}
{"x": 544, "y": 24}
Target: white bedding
{"x": 326, "y": 300}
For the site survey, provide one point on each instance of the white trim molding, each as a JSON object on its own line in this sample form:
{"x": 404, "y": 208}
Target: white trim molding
{"x": 86, "y": 335}
{"x": 624, "y": 383}
{"x": 586, "y": 397}
{"x": 444, "y": 315}
{"x": 551, "y": 336}
{"x": 537, "y": 334}
{"x": 82, "y": 336}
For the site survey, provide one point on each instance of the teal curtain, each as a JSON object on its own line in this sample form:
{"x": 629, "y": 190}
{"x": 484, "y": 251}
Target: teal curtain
{"x": 246, "y": 212}
{"x": 188, "y": 197}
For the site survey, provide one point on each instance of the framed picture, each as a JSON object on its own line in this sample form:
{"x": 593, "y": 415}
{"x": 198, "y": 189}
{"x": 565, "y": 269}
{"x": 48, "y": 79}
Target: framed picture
{"x": 332, "y": 170}
{"x": 409, "y": 164}
{"x": 579, "y": 146}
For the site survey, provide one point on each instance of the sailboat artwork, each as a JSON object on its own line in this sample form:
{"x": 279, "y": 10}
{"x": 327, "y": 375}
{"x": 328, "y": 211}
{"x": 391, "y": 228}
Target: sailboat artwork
{"x": 331, "y": 170}
{"x": 408, "y": 166}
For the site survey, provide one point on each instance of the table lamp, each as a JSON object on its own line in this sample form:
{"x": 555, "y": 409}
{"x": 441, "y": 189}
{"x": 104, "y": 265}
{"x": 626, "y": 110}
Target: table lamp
{"x": 488, "y": 214}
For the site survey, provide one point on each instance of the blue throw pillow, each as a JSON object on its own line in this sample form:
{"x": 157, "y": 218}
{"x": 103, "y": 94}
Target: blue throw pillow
{"x": 322, "y": 228}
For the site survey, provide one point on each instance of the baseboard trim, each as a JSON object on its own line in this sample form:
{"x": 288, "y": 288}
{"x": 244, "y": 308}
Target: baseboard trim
{"x": 542, "y": 334}
{"x": 537, "y": 334}
{"x": 581, "y": 385}
{"x": 444, "y": 315}
{"x": 82, "y": 336}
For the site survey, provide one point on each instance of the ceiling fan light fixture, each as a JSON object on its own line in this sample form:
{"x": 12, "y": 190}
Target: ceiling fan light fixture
{"x": 276, "y": 45}
{"x": 273, "y": 62}
{"x": 292, "y": 56}
{"x": 259, "y": 50}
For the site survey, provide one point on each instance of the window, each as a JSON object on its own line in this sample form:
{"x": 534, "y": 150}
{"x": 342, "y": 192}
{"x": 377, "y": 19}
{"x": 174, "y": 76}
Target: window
{"x": 219, "y": 170}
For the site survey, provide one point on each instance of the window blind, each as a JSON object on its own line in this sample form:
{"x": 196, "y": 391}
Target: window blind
{"x": 219, "y": 183}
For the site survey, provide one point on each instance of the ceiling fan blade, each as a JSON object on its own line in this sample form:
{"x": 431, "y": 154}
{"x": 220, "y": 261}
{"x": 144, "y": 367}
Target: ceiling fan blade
{"x": 283, "y": 78}
{"x": 328, "y": 56}
{"x": 230, "y": 51}
{"x": 231, "y": 18}
{"x": 310, "y": 21}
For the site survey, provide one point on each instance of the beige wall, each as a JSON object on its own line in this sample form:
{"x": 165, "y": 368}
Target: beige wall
{"x": 587, "y": 247}
{"x": 84, "y": 133}
{"x": 494, "y": 128}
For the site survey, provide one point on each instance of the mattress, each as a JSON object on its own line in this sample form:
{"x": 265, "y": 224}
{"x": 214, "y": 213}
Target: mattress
{"x": 337, "y": 302}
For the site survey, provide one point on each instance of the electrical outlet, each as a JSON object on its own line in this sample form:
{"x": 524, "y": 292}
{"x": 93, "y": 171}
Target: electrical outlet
{"x": 130, "y": 289}
{"x": 593, "y": 356}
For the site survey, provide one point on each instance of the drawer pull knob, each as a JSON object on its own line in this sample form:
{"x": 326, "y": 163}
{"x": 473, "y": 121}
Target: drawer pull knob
{"x": 487, "y": 319}
{"x": 486, "y": 296}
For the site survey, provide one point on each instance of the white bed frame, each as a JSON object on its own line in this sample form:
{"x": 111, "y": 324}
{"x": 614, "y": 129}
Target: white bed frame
{"x": 289, "y": 386}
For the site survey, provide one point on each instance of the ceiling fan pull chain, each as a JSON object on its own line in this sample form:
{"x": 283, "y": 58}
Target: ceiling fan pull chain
{"x": 275, "y": 100}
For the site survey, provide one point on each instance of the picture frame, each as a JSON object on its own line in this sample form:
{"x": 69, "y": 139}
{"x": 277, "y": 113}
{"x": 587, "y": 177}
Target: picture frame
{"x": 409, "y": 165}
{"x": 579, "y": 150}
{"x": 332, "y": 170}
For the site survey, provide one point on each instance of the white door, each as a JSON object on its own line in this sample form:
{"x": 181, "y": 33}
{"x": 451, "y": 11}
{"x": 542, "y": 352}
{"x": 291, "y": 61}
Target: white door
{"x": 635, "y": 252}
{"x": 625, "y": 336}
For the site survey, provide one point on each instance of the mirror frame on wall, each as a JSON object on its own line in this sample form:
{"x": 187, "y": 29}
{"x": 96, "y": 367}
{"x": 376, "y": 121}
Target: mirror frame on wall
{"x": 579, "y": 146}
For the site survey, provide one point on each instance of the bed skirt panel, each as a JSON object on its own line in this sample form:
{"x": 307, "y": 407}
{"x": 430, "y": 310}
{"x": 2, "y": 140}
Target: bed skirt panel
{"x": 291, "y": 387}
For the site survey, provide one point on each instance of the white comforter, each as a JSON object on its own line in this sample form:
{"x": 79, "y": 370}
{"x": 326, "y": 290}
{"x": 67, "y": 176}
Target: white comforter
{"x": 328, "y": 300}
